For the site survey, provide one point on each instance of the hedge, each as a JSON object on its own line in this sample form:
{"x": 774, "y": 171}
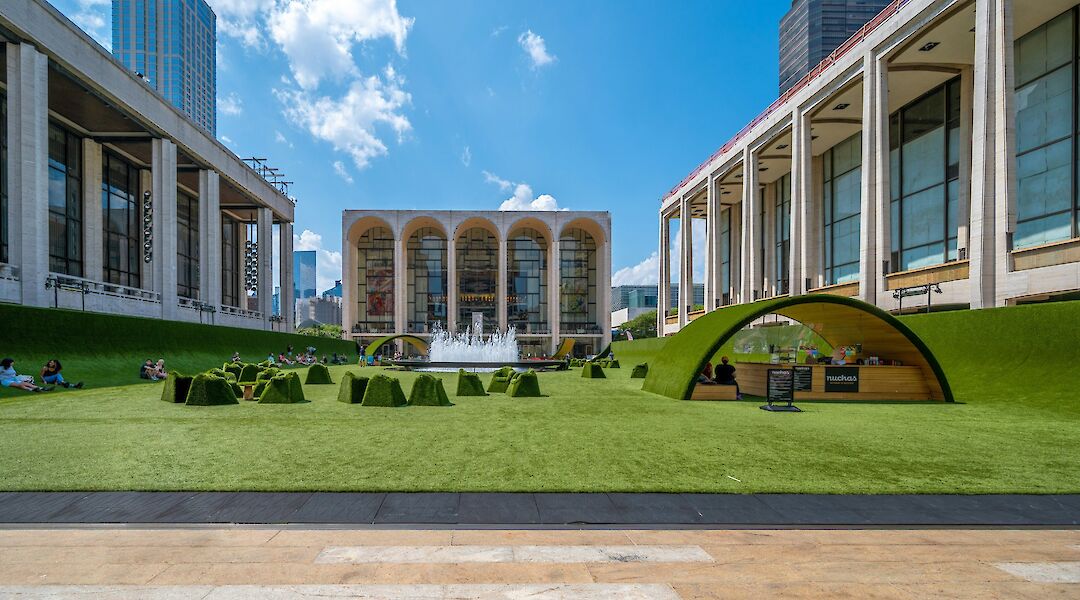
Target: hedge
{"x": 384, "y": 391}
{"x": 176, "y": 388}
{"x": 318, "y": 374}
{"x": 428, "y": 391}
{"x": 352, "y": 388}
{"x": 248, "y": 374}
{"x": 640, "y": 371}
{"x": 592, "y": 370}
{"x": 234, "y": 369}
{"x": 469, "y": 384}
{"x": 280, "y": 390}
{"x": 524, "y": 385}
{"x": 500, "y": 379}
{"x": 613, "y": 364}
{"x": 295, "y": 388}
{"x": 210, "y": 390}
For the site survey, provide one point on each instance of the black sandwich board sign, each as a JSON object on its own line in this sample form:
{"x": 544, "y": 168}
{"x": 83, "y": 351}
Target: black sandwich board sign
{"x": 780, "y": 388}
{"x": 804, "y": 379}
{"x": 842, "y": 379}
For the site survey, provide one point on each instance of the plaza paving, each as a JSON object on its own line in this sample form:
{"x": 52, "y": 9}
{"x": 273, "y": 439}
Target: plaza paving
{"x": 286, "y": 563}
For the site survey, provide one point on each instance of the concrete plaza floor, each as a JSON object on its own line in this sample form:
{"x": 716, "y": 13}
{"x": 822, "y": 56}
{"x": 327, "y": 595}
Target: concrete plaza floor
{"x": 393, "y": 564}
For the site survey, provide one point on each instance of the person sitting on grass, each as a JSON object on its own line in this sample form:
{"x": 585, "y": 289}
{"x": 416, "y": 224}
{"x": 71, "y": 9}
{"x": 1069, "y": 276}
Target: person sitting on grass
{"x": 10, "y": 379}
{"x": 159, "y": 369}
{"x": 284, "y": 359}
{"x": 50, "y": 373}
{"x": 725, "y": 375}
{"x": 146, "y": 371}
{"x": 236, "y": 357}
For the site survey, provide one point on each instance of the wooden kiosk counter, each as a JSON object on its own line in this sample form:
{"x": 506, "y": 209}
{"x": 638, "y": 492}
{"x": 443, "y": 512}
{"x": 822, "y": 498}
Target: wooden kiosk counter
{"x": 846, "y": 382}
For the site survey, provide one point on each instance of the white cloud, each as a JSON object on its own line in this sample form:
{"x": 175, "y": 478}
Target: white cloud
{"x": 523, "y": 200}
{"x": 342, "y": 172}
{"x": 281, "y": 139}
{"x": 240, "y": 19}
{"x": 230, "y": 105}
{"x": 349, "y": 122}
{"x": 95, "y": 18}
{"x": 646, "y": 272}
{"x": 228, "y": 140}
{"x": 536, "y": 48}
{"x": 327, "y": 262}
{"x": 317, "y": 36}
{"x": 466, "y": 156}
{"x": 498, "y": 30}
{"x": 503, "y": 184}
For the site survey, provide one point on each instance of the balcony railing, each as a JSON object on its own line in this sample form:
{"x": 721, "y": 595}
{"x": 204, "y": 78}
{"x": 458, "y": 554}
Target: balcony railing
{"x": 373, "y": 327}
{"x": 58, "y": 281}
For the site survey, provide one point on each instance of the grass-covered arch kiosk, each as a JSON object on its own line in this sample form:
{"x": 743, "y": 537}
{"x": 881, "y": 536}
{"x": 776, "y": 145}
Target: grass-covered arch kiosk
{"x": 838, "y": 320}
{"x": 418, "y": 343}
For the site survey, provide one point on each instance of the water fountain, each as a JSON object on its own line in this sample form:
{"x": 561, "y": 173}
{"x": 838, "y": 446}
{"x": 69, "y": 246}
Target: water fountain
{"x": 472, "y": 351}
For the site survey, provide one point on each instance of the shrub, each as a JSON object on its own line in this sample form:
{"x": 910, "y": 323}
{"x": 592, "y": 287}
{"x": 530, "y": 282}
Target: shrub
{"x": 295, "y": 388}
{"x": 318, "y": 374}
{"x": 176, "y": 388}
{"x": 260, "y": 382}
{"x": 383, "y": 391}
{"x": 248, "y": 374}
{"x": 592, "y": 370}
{"x": 279, "y": 390}
{"x": 210, "y": 390}
{"x": 220, "y": 373}
{"x": 525, "y": 385}
{"x": 428, "y": 390}
{"x": 613, "y": 364}
{"x": 469, "y": 384}
{"x": 352, "y": 389}
{"x": 640, "y": 371}
{"x": 233, "y": 368}
{"x": 235, "y": 387}
{"x": 266, "y": 364}
{"x": 500, "y": 380}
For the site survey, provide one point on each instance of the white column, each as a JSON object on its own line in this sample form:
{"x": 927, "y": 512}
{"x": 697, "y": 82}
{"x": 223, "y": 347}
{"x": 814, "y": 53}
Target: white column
{"x": 286, "y": 275}
{"x": 963, "y": 206}
{"x": 801, "y": 200}
{"x": 663, "y": 288}
{"x": 768, "y": 234}
{"x": 686, "y": 261}
{"x": 752, "y": 227}
{"x": 738, "y": 292}
{"x": 554, "y": 278}
{"x": 500, "y": 283}
{"x": 711, "y": 219}
{"x": 451, "y": 283}
{"x": 28, "y": 176}
{"x": 163, "y": 197}
{"x": 210, "y": 238}
{"x": 603, "y": 300}
{"x": 875, "y": 176}
{"x": 93, "y": 226}
{"x": 401, "y": 282}
{"x": 265, "y": 290}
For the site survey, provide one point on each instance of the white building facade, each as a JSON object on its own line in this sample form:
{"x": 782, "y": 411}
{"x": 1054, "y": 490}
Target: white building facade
{"x": 546, "y": 274}
{"x": 938, "y": 147}
{"x": 114, "y": 201}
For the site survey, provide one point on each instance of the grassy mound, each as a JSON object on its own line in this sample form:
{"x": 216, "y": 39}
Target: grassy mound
{"x": 234, "y": 369}
{"x": 592, "y": 370}
{"x": 248, "y": 374}
{"x": 469, "y": 384}
{"x": 281, "y": 389}
{"x": 428, "y": 391}
{"x": 612, "y": 364}
{"x": 384, "y": 391}
{"x": 638, "y": 351}
{"x": 351, "y": 390}
{"x": 318, "y": 374}
{"x": 524, "y": 385}
{"x": 500, "y": 380}
{"x": 176, "y": 388}
{"x": 640, "y": 371}
{"x": 210, "y": 390}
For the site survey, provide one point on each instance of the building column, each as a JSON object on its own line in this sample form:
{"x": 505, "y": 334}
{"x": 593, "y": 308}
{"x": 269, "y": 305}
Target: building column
{"x": 210, "y": 238}
{"x": 28, "y": 169}
{"x": 963, "y": 206}
{"x": 992, "y": 156}
{"x": 801, "y": 195}
{"x": 769, "y": 287}
{"x": 163, "y": 199}
{"x": 738, "y": 293}
{"x": 686, "y": 261}
{"x": 663, "y": 288}
{"x": 451, "y": 283}
{"x": 712, "y": 220}
{"x": 603, "y": 292}
{"x": 286, "y": 298}
{"x": 874, "y": 199}
{"x": 265, "y": 289}
{"x": 500, "y": 284}
{"x": 751, "y": 218}
{"x": 554, "y": 281}
{"x": 93, "y": 225}
{"x": 401, "y": 283}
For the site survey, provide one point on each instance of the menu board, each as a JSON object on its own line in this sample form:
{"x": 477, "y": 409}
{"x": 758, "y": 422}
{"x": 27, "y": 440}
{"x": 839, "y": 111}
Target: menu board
{"x": 804, "y": 379}
{"x": 780, "y": 386}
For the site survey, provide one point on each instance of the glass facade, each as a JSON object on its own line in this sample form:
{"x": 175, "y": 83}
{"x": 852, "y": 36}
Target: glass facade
{"x": 1046, "y": 133}
{"x": 842, "y": 200}
{"x": 375, "y": 281}
{"x": 782, "y": 236}
{"x": 725, "y": 256}
{"x": 230, "y": 261}
{"x": 526, "y": 281}
{"x": 426, "y": 256}
{"x": 477, "y": 272}
{"x": 65, "y": 201}
{"x": 122, "y": 217}
{"x": 577, "y": 281}
{"x": 924, "y": 155}
{"x": 187, "y": 245}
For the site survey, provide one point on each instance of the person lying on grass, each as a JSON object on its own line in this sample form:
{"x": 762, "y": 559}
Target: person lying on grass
{"x": 10, "y": 379}
{"x": 50, "y": 373}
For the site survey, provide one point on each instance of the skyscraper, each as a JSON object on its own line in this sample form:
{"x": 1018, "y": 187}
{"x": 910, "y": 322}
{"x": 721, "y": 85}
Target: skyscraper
{"x": 173, "y": 44}
{"x": 304, "y": 274}
{"x": 812, "y": 29}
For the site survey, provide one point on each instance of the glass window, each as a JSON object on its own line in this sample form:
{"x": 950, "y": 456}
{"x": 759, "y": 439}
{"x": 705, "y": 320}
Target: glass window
{"x": 375, "y": 281}
{"x": 230, "y": 261}
{"x": 187, "y": 246}
{"x": 122, "y": 221}
{"x": 782, "y": 217}
{"x": 577, "y": 281}
{"x": 426, "y": 255}
{"x": 526, "y": 281}
{"x": 477, "y": 285}
{"x": 725, "y": 256}
{"x": 65, "y": 201}
{"x": 842, "y": 204}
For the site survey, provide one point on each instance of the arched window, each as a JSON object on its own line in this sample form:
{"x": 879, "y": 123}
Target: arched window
{"x": 426, "y": 258}
{"x": 577, "y": 282}
{"x": 375, "y": 281}
{"x": 526, "y": 281}
{"x": 477, "y": 284}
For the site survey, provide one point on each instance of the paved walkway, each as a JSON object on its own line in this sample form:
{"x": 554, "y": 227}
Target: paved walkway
{"x": 288, "y": 564}
{"x": 537, "y": 510}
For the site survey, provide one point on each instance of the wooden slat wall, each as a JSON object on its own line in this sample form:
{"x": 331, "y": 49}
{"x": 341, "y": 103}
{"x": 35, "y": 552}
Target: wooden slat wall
{"x": 875, "y": 383}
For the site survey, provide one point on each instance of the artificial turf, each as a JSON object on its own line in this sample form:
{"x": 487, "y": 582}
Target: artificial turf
{"x": 1013, "y": 429}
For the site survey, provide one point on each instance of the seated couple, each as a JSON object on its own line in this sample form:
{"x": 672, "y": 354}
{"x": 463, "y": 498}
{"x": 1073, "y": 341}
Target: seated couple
{"x": 724, "y": 374}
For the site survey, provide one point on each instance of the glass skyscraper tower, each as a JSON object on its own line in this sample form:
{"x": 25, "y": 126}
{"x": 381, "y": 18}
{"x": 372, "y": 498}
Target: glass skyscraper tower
{"x": 173, "y": 44}
{"x": 304, "y": 274}
{"x": 812, "y": 29}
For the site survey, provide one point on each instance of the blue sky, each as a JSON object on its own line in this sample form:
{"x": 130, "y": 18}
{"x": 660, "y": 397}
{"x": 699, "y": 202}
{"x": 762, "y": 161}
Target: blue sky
{"x": 597, "y": 105}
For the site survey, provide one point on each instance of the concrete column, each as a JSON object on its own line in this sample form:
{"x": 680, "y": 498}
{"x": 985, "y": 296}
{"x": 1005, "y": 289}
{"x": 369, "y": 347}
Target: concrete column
{"x": 963, "y": 205}
{"x": 554, "y": 280}
{"x": 210, "y": 238}
{"x": 992, "y": 154}
{"x": 738, "y": 292}
{"x": 751, "y": 258}
{"x": 875, "y": 164}
{"x": 93, "y": 225}
{"x": 285, "y": 299}
{"x": 401, "y": 283}
{"x": 603, "y": 300}
{"x": 451, "y": 283}
{"x": 663, "y": 288}
{"x": 265, "y": 290}
{"x": 500, "y": 284}
{"x": 163, "y": 197}
{"x": 768, "y": 267}
{"x": 711, "y": 220}
{"x": 801, "y": 196}
{"x": 28, "y": 169}
{"x": 686, "y": 261}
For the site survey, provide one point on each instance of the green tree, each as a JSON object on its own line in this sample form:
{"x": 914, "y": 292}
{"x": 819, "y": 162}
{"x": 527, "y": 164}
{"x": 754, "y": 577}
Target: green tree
{"x": 324, "y": 330}
{"x": 641, "y": 326}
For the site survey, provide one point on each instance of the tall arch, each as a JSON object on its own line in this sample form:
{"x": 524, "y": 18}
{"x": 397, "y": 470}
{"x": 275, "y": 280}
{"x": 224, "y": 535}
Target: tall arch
{"x": 426, "y": 274}
{"x": 528, "y": 264}
{"x": 477, "y": 247}
{"x": 372, "y": 276}
{"x": 579, "y": 283}
{"x": 837, "y": 319}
